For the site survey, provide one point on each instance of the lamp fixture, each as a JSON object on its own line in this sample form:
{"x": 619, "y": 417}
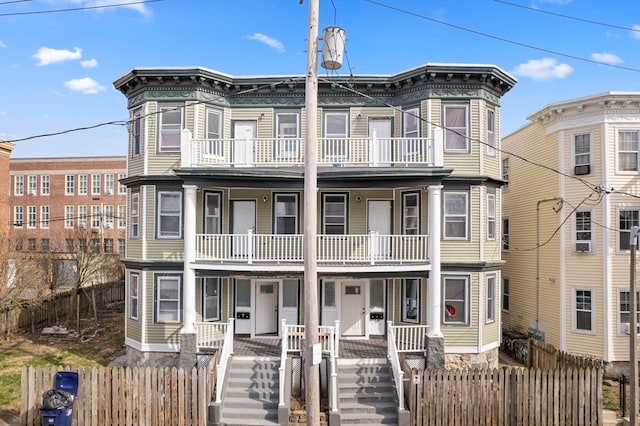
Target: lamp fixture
{"x": 265, "y": 198}
{"x": 358, "y": 198}
{"x": 261, "y": 116}
{"x": 359, "y": 116}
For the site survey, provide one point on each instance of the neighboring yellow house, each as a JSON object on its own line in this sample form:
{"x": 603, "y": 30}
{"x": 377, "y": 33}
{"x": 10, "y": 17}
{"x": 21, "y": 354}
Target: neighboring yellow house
{"x": 572, "y": 196}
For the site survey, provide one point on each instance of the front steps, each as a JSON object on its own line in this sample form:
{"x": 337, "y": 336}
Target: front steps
{"x": 251, "y": 394}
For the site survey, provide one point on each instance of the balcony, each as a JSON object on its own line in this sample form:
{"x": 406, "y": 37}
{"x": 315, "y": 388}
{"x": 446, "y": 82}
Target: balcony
{"x": 332, "y": 152}
{"x": 271, "y": 251}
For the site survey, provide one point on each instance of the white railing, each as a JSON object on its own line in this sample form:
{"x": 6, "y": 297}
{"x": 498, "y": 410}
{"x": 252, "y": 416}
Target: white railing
{"x": 394, "y": 360}
{"x": 370, "y": 248}
{"x": 211, "y": 335}
{"x": 410, "y": 338}
{"x": 225, "y": 355}
{"x": 332, "y": 152}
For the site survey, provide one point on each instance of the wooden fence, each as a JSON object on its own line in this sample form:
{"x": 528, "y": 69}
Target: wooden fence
{"x": 59, "y": 308}
{"x": 126, "y": 396}
{"x": 507, "y": 396}
{"x": 545, "y": 355}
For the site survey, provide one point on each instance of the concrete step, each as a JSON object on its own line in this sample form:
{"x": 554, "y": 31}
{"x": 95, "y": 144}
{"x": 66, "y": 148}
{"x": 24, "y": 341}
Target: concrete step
{"x": 383, "y": 407}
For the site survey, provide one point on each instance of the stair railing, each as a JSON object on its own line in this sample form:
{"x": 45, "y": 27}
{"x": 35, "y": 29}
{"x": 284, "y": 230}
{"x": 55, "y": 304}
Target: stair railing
{"x": 394, "y": 360}
{"x": 333, "y": 391}
{"x": 227, "y": 351}
{"x": 283, "y": 360}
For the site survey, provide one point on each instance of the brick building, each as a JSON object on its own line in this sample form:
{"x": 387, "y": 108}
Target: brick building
{"x": 5, "y": 153}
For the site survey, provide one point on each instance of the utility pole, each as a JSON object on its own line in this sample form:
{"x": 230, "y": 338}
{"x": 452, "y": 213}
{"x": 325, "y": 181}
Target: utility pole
{"x": 311, "y": 371}
{"x": 633, "y": 332}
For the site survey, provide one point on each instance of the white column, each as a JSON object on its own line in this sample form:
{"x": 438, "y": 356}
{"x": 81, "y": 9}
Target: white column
{"x": 189, "y": 275}
{"x": 434, "y": 292}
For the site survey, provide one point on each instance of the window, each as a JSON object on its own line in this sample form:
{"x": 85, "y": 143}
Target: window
{"x": 18, "y": 216}
{"x": 212, "y": 220}
{"x": 626, "y": 220}
{"x": 211, "y": 299}
{"x": 582, "y": 154}
{"x": 411, "y": 300}
{"x": 214, "y": 144}
{"x": 455, "y": 215}
{"x": 82, "y": 216}
{"x": 95, "y": 245}
{"x": 505, "y": 294}
{"x": 134, "y": 280}
{"x": 68, "y": 245}
{"x": 122, "y": 217}
{"x": 83, "y": 184}
{"x": 96, "y": 216}
{"x": 45, "y": 185}
{"x": 168, "y": 298}
{"x": 455, "y": 300}
{"x": 108, "y": 245}
{"x": 286, "y": 214}
{"x": 169, "y": 214}
{"x": 70, "y": 185}
{"x": 122, "y": 189}
{"x": 628, "y": 150}
{"x": 108, "y": 217}
{"x": 133, "y": 221}
{"x": 583, "y": 234}
{"x": 287, "y": 142}
{"x": 411, "y": 132}
{"x": 32, "y": 183}
{"x": 82, "y": 245}
{"x": 108, "y": 183}
{"x": 329, "y": 294}
{"x": 411, "y": 213}
{"x": 31, "y": 244}
{"x": 44, "y": 217}
{"x": 95, "y": 184}
{"x": 68, "y": 217}
{"x": 32, "y": 216}
{"x": 491, "y": 135}
{"x": 18, "y": 185}
{"x": 583, "y": 310}
{"x": 624, "y": 309}
{"x": 334, "y": 218}
{"x": 455, "y": 123}
{"x": 505, "y": 234}
{"x": 491, "y": 216}
{"x": 18, "y": 242}
{"x": 334, "y": 143}
{"x": 44, "y": 244}
{"x": 491, "y": 298}
{"x": 122, "y": 245}
{"x": 170, "y": 126}
{"x": 136, "y": 132}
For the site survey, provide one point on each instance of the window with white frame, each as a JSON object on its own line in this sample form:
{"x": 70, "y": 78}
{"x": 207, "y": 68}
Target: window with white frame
{"x": 32, "y": 217}
{"x": 505, "y": 173}
{"x": 18, "y": 185}
{"x": 410, "y": 213}
{"x": 456, "y": 300}
{"x": 411, "y": 132}
{"x": 628, "y": 141}
{"x": 95, "y": 184}
{"x": 491, "y": 132}
{"x": 211, "y": 299}
{"x": 96, "y": 216}
{"x": 334, "y": 214}
{"x": 122, "y": 217}
{"x": 411, "y": 300}
{"x": 334, "y": 143}
{"x": 214, "y": 145}
{"x": 287, "y": 142}
{"x": 583, "y": 232}
{"x": 68, "y": 217}
{"x": 169, "y": 214}
{"x": 285, "y": 213}
{"x": 624, "y": 309}
{"x": 134, "y": 280}
{"x": 83, "y": 184}
{"x": 70, "y": 184}
{"x": 212, "y": 213}
{"x": 44, "y": 217}
{"x": 135, "y": 215}
{"x": 108, "y": 183}
{"x": 583, "y": 310}
{"x": 45, "y": 185}
{"x": 170, "y": 126}
{"x": 136, "y": 132}
{"x": 329, "y": 294}
{"x": 122, "y": 189}
{"x": 505, "y": 233}
{"x": 32, "y": 185}
{"x": 505, "y": 294}
{"x": 82, "y": 216}
{"x": 108, "y": 217}
{"x": 18, "y": 216}
{"x": 456, "y": 132}
{"x": 582, "y": 154}
{"x": 627, "y": 218}
{"x": 456, "y": 213}
{"x": 491, "y": 298}
{"x": 491, "y": 216}
{"x": 167, "y": 298}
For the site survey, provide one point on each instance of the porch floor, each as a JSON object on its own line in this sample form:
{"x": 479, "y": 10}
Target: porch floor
{"x": 374, "y": 347}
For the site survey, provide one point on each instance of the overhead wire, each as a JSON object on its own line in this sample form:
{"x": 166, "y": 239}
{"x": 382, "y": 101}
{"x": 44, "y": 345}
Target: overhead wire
{"x": 76, "y": 9}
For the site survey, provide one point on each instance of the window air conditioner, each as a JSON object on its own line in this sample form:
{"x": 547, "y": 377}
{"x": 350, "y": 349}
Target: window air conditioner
{"x": 32, "y": 192}
{"x": 109, "y": 191}
{"x": 107, "y": 226}
{"x": 627, "y": 328}
{"x": 584, "y": 169}
{"x": 82, "y": 225}
{"x": 583, "y": 246}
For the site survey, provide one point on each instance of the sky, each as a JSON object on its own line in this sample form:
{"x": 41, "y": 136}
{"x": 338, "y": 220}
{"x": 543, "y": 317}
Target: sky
{"x": 59, "y": 58}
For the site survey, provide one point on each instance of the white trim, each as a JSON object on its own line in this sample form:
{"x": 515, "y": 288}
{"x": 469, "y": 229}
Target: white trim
{"x": 151, "y": 347}
{"x": 574, "y": 310}
{"x": 607, "y": 255}
{"x": 324, "y": 269}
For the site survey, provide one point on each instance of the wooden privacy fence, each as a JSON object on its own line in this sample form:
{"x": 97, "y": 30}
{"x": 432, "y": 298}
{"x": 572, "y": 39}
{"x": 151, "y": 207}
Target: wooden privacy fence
{"x": 507, "y": 396}
{"x": 126, "y": 396}
{"x": 545, "y": 355}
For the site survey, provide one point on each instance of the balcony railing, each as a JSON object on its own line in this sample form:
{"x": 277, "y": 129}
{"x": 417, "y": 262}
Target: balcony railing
{"x": 369, "y": 249}
{"x": 332, "y": 152}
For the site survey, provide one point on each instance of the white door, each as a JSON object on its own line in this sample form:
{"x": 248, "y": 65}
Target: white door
{"x": 382, "y": 150}
{"x": 244, "y": 219}
{"x": 352, "y": 310}
{"x": 266, "y": 307}
{"x": 244, "y": 133}
{"x": 379, "y": 222}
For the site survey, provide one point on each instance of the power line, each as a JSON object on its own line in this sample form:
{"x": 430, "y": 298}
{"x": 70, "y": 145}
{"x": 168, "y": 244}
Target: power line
{"x": 75, "y": 9}
{"x": 13, "y": 1}
{"x": 502, "y": 39}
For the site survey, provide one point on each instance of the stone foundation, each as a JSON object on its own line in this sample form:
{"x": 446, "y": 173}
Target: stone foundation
{"x": 299, "y": 418}
{"x": 136, "y": 358}
{"x": 487, "y": 359}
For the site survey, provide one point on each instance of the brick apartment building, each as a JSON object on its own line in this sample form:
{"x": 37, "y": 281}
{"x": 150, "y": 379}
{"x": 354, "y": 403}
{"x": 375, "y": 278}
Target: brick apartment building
{"x": 5, "y": 153}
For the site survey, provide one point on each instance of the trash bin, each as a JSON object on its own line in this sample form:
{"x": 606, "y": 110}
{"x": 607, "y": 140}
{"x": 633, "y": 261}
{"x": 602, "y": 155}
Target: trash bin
{"x": 57, "y": 403}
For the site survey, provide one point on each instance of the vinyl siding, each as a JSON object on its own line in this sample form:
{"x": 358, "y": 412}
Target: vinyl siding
{"x": 162, "y": 333}
{"x": 465, "y": 335}
{"x": 465, "y": 250}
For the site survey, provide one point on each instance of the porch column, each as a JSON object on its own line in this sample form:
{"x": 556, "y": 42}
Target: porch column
{"x": 434, "y": 340}
{"x": 188, "y": 331}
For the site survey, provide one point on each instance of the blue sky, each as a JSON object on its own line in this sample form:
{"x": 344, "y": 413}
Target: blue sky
{"x": 58, "y": 68}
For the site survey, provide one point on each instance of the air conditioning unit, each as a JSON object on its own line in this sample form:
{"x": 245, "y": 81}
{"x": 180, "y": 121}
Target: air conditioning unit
{"x": 627, "y": 328}
{"x": 583, "y": 247}
{"x": 584, "y": 169}
{"x": 82, "y": 225}
{"x": 32, "y": 192}
{"x": 109, "y": 191}
{"x": 108, "y": 226}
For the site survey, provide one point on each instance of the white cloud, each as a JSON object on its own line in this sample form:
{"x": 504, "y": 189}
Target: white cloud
{"x": 103, "y": 5}
{"x": 607, "y": 58}
{"x": 271, "y": 42}
{"x": 636, "y": 31}
{"x": 89, "y": 63}
{"x": 2, "y": 45}
{"x": 87, "y": 86}
{"x": 47, "y": 56}
{"x": 543, "y": 69}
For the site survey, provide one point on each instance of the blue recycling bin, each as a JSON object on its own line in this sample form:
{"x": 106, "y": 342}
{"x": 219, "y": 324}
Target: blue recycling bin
{"x": 58, "y": 410}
